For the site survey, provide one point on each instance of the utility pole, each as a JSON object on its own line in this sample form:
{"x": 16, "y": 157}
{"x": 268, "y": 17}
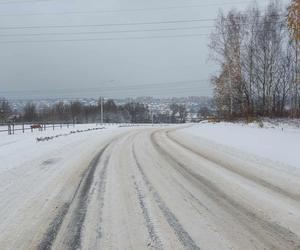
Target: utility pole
{"x": 101, "y": 110}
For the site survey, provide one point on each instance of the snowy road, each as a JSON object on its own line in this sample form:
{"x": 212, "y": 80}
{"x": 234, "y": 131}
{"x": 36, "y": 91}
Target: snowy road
{"x": 148, "y": 188}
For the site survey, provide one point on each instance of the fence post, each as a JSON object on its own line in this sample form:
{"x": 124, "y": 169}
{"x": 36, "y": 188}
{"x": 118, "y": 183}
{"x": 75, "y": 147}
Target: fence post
{"x": 53, "y": 126}
{"x": 23, "y": 129}
{"x": 13, "y": 128}
{"x": 8, "y": 129}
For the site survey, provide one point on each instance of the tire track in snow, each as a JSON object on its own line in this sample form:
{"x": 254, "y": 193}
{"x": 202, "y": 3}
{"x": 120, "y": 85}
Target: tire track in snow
{"x": 266, "y": 231}
{"x": 155, "y": 240}
{"x": 55, "y": 225}
{"x": 240, "y": 172}
{"x": 173, "y": 222}
{"x": 154, "y": 237}
{"x": 79, "y": 214}
{"x": 101, "y": 193}
{"x": 73, "y": 239}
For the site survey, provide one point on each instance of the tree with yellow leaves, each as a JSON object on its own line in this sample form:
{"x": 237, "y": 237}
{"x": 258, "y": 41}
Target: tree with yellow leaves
{"x": 293, "y": 19}
{"x": 293, "y": 22}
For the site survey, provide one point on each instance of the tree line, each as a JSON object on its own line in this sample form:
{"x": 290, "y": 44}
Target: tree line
{"x": 78, "y": 112}
{"x": 258, "y": 62}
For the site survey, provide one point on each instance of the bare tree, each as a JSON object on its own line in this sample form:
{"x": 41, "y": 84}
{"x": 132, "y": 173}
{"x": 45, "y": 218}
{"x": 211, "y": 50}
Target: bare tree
{"x": 75, "y": 110}
{"x": 203, "y": 112}
{"x": 5, "y": 110}
{"x": 30, "y": 112}
{"x": 253, "y": 52}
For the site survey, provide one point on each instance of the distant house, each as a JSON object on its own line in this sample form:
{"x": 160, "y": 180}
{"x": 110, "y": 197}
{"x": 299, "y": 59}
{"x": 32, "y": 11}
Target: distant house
{"x": 193, "y": 117}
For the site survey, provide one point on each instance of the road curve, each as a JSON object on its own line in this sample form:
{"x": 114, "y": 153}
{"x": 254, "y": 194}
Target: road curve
{"x": 150, "y": 189}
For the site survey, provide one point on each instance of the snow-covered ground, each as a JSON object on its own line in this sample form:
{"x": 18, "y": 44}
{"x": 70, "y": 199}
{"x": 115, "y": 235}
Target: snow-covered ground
{"x": 276, "y": 141}
{"x": 144, "y": 187}
{"x": 19, "y": 149}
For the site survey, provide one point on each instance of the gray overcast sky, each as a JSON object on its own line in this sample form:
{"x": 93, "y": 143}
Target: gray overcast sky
{"x": 127, "y": 64}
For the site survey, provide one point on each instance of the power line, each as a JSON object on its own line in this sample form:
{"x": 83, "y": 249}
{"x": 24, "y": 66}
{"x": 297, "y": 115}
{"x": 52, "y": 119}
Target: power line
{"x": 116, "y": 88}
{"x": 106, "y": 32}
{"x": 25, "y": 1}
{"x": 110, "y": 32}
{"x": 107, "y": 39}
{"x": 124, "y": 10}
{"x": 103, "y": 39}
{"x": 107, "y": 24}
{"x": 121, "y": 92}
{"x": 115, "y": 24}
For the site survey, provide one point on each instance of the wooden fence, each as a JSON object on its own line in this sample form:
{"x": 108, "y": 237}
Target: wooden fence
{"x": 11, "y": 128}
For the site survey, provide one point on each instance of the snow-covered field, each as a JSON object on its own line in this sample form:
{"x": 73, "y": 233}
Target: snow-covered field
{"x": 19, "y": 148}
{"x": 278, "y": 142}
